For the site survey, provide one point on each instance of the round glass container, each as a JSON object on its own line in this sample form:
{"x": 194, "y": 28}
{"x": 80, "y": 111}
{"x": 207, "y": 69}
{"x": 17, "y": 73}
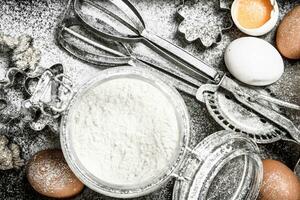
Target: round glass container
{"x": 225, "y": 165}
{"x": 130, "y": 190}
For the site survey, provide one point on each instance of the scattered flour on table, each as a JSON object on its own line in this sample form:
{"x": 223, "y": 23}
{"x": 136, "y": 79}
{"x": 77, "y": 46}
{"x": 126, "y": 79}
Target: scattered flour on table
{"x": 125, "y": 131}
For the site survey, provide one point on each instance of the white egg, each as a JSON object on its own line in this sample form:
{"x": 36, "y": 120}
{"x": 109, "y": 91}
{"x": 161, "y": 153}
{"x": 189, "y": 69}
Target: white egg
{"x": 255, "y": 8}
{"x": 254, "y": 61}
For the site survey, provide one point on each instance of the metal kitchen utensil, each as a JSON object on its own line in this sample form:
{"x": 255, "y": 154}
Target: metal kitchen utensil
{"x": 226, "y": 111}
{"x": 9, "y": 78}
{"x": 71, "y": 27}
{"x": 28, "y": 103}
{"x": 51, "y": 93}
{"x": 253, "y": 105}
{"x": 120, "y": 21}
{"x": 203, "y": 22}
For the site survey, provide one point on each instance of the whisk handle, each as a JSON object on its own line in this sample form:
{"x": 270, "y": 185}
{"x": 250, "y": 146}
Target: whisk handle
{"x": 179, "y": 55}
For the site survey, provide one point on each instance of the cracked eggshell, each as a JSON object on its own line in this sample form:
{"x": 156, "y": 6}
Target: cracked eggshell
{"x": 254, "y": 61}
{"x": 265, "y": 28}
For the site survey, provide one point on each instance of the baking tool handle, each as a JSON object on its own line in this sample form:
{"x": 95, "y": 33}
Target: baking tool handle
{"x": 178, "y": 53}
{"x": 274, "y": 117}
{"x": 275, "y": 101}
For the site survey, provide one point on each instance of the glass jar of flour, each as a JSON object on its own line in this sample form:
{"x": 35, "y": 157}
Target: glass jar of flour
{"x": 126, "y": 133}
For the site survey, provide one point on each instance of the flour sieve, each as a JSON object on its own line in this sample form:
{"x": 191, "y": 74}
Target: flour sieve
{"x": 208, "y": 159}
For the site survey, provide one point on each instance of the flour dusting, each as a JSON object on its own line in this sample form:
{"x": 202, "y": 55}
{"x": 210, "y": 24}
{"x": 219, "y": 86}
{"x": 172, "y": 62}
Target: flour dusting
{"x": 125, "y": 132}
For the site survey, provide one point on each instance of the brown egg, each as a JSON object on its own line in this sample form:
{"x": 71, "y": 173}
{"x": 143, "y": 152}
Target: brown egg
{"x": 279, "y": 182}
{"x": 49, "y": 174}
{"x": 288, "y": 34}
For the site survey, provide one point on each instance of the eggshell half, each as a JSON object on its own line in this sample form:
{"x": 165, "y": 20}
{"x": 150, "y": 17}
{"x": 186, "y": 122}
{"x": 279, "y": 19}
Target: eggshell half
{"x": 264, "y": 29}
{"x": 254, "y": 61}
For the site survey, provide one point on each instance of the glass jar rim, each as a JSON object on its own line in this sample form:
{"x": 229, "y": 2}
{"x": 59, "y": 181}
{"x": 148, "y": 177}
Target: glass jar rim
{"x": 184, "y": 129}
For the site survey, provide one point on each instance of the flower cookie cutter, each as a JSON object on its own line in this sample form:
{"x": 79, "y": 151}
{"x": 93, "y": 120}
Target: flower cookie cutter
{"x": 203, "y": 22}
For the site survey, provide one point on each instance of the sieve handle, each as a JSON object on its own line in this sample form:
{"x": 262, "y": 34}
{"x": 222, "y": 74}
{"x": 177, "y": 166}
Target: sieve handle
{"x": 181, "y": 56}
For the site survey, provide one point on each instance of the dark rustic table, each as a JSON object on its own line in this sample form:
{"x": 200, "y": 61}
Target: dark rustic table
{"x": 39, "y": 18}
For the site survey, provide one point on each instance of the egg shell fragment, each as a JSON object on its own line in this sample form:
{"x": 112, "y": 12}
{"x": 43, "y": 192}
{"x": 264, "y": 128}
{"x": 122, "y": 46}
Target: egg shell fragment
{"x": 254, "y": 61}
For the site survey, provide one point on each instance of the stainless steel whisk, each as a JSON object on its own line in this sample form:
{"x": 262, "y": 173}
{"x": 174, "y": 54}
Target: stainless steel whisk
{"x": 120, "y": 21}
{"x": 122, "y": 56}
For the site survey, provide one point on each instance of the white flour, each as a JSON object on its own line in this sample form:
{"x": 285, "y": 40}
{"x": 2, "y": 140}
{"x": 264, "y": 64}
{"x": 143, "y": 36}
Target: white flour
{"x": 125, "y": 132}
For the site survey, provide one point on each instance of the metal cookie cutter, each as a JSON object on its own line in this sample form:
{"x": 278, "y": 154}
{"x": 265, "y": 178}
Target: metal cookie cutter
{"x": 24, "y": 88}
{"x": 20, "y": 103}
{"x": 203, "y": 21}
{"x": 51, "y": 94}
{"x": 12, "y": 118}
{"x": 234, "y": 106}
